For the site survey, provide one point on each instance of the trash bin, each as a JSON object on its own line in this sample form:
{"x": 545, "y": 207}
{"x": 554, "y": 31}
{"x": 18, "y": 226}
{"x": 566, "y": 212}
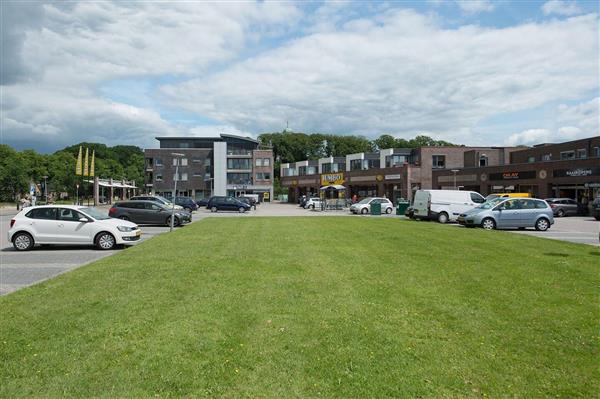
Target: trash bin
{"x": 375, "y": 208}
{"x": 401, "y": 207}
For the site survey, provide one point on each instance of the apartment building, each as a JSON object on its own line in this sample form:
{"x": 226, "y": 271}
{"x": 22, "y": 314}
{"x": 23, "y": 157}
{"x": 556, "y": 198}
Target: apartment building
{"x": 207, "y": 166}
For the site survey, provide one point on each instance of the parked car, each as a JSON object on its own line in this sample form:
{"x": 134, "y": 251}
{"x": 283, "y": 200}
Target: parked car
{"x": 187, "y": 203}
{"x": 364, "y": 205}
{"x": 148, "y": 212}
{"x": 219, "y": 203}
{"x": 507, "y": 195}
{"x": 563, "y": 206}
{"x": 202, "y": 202}
{"x": 312, "y": 203}
{"x": 69, "y": 225}
{"x": 444, "y": 205}
{"x": 248, "y": 200}
{"x": 596, "y": 208}
{"x": 510, "y": 213}
{"x": 156, "y": 198}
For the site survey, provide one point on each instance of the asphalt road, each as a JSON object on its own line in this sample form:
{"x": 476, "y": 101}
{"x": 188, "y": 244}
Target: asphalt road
{"x": 21, "y": 269}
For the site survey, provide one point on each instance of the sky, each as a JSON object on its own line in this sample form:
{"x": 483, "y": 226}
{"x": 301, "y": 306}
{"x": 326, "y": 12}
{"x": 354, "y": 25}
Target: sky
{"x": 472, "y": 72}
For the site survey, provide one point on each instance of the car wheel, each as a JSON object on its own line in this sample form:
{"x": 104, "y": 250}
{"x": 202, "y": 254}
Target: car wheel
{"x": 213, "y": 209}
{"x": 443, "y": 218}
{"x": 312, "y": 206}
{"x": 542, "y": 224}
{"x": 388, "y": 210}
{"x": 364, "y": 211}
{"x": 176, "y": 221}
{"x": 242, "y": 209}
{"x": 124, "y": 218}
{"x": 105, "y": 241}
{"x": 560, "y": 213}
{"x": 23, "y": 241}
{"x": 488, "y": 224}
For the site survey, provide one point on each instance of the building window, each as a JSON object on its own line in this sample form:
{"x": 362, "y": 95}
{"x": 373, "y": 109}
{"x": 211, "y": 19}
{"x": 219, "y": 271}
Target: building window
{"x": 582, "y": 153}
{"x": 198, "y": 174}
{"x": 596, "y": 151}
{"x": 312, "y": 170}
{"x": 397, "y": 160}
{"x": 184, "y": 145}
{"x": 439, "y": 161}
{"x": 207, "y": 162}
{"x": 301, "y": 171}
{"x": 326, "y": 168}
{"x": 183, "y": 162}
{"x": 483, "y": 160}
{"x": 184, "y": 176}
{"x": 356, "y": 164}
{"x": 531, "y": 159}
{"x": 567, "y": 155}
{"x": 266, "y": 162}
{"x": 158, "y": 162}
{"x": 158, "y": 177}
{"x": 547, "y": 157}
{"x": 239, "y": 163}
{"x": 263, "y": 176}
{"x": 239, "y": 178}
{"x": 197, "y": 160}
{"x": 258, "y": 162}
{"x": 259, "y": 176}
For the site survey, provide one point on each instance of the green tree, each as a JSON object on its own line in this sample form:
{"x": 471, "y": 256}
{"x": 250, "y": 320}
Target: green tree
{"x": 13, "y": 174}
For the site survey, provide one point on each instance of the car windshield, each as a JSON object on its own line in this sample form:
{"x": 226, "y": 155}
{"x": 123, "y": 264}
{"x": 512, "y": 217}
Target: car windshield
{"x": 490, "y": 203}
{"x": 163, "y": 200}
{"x": 95, "y": 213}
{"x": 365, "y": 200}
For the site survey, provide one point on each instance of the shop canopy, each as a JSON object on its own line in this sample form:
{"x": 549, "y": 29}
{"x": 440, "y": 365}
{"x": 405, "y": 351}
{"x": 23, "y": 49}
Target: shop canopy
{"x": 115, "y": 184}
{"x": 333, "y": 187}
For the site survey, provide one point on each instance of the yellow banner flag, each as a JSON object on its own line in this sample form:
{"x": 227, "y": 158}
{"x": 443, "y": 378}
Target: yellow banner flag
{"x": 92, "y": 164}
{"x": 78, "y": 166}
{"x": 85, "y": 163}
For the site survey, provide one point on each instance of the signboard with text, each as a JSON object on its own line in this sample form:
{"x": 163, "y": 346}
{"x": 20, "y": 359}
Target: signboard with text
{"x": 329, "y": 179}
{"x": 529, "y": 174}
{"x": 577, "y": 172}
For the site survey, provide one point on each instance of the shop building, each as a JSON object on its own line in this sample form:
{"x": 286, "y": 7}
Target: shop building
{"x": 570, "y": 170}
{"x": 224, "y": 165}
{"x": 394, "y": 172}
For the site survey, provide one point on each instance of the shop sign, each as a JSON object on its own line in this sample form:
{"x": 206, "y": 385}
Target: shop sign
{"x": 393, "y": 177}
{"x": 266, "y": 195}
{"x": 578, "y": 172}
{"x": 530, "y": 174}
{"x": 329, "y": 179}
{"x": 592, "y": 185}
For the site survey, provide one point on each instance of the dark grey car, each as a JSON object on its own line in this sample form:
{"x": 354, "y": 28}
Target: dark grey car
{"x": 563, "y": 206}
{"x": 148, "y": 212}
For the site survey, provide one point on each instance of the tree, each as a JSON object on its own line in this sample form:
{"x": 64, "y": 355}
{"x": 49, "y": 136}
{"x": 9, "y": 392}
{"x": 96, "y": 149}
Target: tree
{"x": 13, "y": 174}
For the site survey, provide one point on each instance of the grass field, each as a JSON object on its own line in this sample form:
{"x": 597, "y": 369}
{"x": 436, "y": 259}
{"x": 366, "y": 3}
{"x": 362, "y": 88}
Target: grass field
{"x": 312, "y": 307}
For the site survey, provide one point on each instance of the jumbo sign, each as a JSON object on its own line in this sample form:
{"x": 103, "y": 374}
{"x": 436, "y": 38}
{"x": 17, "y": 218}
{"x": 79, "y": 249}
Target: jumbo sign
{"x": 329, "y": 179}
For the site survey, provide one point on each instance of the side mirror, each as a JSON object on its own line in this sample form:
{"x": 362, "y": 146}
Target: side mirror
{"x": 84, "y": 220}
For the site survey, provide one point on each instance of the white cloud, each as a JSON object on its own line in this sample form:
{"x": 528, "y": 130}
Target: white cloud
{"x": 561, "y": 7}
{"x": 475, "y": 6}
{"x": 401, "y": 75}
{"x": 530, "y": 137}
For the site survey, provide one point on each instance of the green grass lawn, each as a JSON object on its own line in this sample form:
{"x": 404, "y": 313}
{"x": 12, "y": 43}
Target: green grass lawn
{"x": 313, "y": 307}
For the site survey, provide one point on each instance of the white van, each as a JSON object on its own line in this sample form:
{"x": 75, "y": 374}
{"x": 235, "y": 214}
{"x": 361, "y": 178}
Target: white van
{"x": 444, "y": 205}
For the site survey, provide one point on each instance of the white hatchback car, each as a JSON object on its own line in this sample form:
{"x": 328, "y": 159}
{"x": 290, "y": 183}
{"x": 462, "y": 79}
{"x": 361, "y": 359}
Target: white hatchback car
{"x": 70, "y": 225}
{"x": 364, "y": 206}
{"x": 312, "y": 203}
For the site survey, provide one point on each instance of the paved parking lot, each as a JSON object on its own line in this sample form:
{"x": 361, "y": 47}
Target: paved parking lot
{"x": 20, "y": 269}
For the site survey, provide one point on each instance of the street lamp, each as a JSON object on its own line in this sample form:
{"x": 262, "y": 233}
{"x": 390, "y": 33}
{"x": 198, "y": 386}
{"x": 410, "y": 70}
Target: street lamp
{"x": 455, "y": 171}
{"x": 176, "y": 157}
{"x": 46, "y": 189}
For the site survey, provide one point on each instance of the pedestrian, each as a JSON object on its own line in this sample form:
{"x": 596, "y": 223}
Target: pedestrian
{"x": 354, "y": 199}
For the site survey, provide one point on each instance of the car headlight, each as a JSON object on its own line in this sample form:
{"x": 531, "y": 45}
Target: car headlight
{"x": 126, "y": 228}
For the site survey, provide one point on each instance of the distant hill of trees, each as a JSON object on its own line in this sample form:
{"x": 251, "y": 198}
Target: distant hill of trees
{"x": 19, "y": 168}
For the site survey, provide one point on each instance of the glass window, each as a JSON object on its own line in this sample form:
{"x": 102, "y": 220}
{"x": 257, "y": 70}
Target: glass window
{"x": 258, "y": 162}
{"x": 241, "y": 163}
{"x": 527, "y": 204}
{"x": 483, "y": 160}
{"x": 582, "y": 153}
{"x": 439, "y": 161}
{"x": 158, "y": 162}
{"x": 42, "y": 213}
{"x": 478, "y": 199}
{"x": 509, "y": 205}
{"x": 267, "y": 176}
{"x": 69, "y": 215}
{"x": 596, "y": 151}
{"x": 531, "y": 159}
{"x": 547, "y": 157}
{"x": 158, "y": 177}
{"x": 356, "y": 164}
{"x": 184, "y": 162}
{"x": 567, "y": 155}
{"x": 184, "y": 145}
{"x": 541, "y": 204}
{"x": 259, "y": 176}
{"x": 326, "y": 168}
{"x": 266, "y": 162}
{"x": 184, "y": 176}
{"x": 239, "y": 178}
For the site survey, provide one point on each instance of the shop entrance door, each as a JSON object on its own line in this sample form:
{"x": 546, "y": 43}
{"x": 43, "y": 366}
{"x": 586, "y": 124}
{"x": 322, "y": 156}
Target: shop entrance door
{"x": 240, "y": 193}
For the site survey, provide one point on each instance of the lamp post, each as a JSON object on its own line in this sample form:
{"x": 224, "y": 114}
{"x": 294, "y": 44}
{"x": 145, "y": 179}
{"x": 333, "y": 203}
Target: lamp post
{"x": 46, "y": 189}
{"x": 176, "y": 157}
{"x": 455, "y": 171}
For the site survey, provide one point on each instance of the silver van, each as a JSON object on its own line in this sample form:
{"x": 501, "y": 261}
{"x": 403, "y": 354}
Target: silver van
{"x": 510, "y": 213}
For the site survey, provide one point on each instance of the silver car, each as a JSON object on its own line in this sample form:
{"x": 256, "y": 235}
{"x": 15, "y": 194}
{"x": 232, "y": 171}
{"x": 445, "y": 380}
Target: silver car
{"x": 363, "y": 207}
{"x": 508, "y": 213}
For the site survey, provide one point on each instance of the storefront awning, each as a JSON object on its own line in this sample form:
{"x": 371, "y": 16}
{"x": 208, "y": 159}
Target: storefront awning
{"x": 333, "y": 187}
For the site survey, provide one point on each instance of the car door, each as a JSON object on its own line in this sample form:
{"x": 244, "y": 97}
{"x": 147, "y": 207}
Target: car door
{"x": 528, "y": 212}
{"x": 508, "y": 215}
{"x": 155, "y": 214}
{"x": 71, "y": 230}
{"x": 43, "y": 224}
{"x": 571, "y": 207}
{"x": 229, "y": 204}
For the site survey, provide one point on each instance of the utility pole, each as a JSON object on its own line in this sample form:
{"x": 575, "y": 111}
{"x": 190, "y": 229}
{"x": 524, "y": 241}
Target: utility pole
{"x": 176, "y": 157}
